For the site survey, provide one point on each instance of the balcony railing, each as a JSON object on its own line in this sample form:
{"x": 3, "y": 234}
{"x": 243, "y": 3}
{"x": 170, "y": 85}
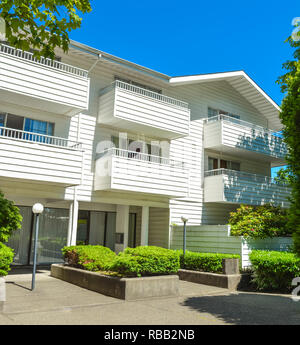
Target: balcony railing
{"x": 236, "y": 121}
{"x": 43, "y": 61}
{"x": 144, "y": 92}
{"x": 139, "y": 156}
{"x": 17, "y": 134}
{"x": 244, "y": 176}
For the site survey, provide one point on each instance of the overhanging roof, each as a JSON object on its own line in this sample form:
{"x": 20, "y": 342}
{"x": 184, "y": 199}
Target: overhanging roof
{"x": 245, "y": 86}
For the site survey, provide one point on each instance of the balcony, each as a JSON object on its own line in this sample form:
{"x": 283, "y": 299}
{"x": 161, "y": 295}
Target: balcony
{"x": 37, "y": 158}
{"x": 44, "y": 84}
{"x": 129, "y": 171}
{"x": 236, "y": 187}
{"x": 129, "y": 107}
{"x": 226, "y": 134}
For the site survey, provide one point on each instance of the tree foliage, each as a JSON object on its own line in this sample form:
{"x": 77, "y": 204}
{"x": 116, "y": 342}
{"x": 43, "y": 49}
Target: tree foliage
{"x": 10, "y": 218}
{"x": 42, "y": 25}
{"x": 290, "y": 117}
{"x": 259, "y": 221}
{"x": 284, "y": 176}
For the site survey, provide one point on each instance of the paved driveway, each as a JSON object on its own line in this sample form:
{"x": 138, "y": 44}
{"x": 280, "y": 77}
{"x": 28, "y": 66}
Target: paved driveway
{"x": 60, "y": 303}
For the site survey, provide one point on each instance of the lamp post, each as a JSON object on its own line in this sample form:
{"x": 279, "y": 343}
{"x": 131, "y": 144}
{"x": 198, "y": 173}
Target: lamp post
{"x": 37, "y": 209}
{"x": 184, "y": 233}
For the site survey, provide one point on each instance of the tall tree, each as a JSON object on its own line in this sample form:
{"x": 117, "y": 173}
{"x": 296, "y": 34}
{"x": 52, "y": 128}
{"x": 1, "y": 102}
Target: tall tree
{"x": 42, "y": 25}
{"x": 290, "y": 117}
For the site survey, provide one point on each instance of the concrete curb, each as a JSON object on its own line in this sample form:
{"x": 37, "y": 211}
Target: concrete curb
{"x": 227, "y": 281}
{"x": 129, "y": 289}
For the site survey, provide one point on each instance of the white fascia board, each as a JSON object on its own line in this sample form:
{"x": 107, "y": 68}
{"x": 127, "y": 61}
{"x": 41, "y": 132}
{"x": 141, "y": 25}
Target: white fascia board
{"x": 202, "y": 78}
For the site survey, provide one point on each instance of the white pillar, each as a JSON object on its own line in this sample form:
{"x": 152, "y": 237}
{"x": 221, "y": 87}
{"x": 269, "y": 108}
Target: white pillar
{"x": 73, "y": 220}
{"x": 145, "y": 226}
{"x": 122, "y": 224}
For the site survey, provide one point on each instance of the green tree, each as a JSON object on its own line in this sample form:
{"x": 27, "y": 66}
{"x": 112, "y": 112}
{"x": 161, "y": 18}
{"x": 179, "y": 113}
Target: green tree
{"x": 10, "y": 218}
{"x": 42, "y": 25}
{"x": 284, "y": 175}
{"x": 290, "y": 117}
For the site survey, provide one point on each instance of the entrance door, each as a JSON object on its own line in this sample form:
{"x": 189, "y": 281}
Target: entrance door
{"x": 53, "y": 230}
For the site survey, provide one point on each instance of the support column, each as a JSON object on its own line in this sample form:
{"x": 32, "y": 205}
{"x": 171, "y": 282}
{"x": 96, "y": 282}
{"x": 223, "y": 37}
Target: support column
{"x": 73, "y": 220}
{"x": 145, "y": 226}
{"x": 122, "y": 225}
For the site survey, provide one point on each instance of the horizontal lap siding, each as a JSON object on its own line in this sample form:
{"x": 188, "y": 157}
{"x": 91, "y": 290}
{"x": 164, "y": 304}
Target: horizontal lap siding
{"x": 134, "y": 175}
{"x": 39, "y": 162}
{"x": 245, "y": 191}
{"x": 36, "y": 80}
{"x": 252, "y": 140}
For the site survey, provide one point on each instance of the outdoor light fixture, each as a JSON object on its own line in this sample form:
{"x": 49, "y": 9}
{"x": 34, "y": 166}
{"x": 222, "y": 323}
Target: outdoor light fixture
{"x": 37, "y": 209}
{"x": 184, "y": 233}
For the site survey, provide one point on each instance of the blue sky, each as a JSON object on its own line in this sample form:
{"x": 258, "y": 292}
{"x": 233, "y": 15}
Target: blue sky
{"x": 194, "y": 37}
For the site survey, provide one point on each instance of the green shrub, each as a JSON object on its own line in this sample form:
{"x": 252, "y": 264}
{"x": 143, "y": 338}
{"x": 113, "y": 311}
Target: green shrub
{"x": 207, "y": 262}
{"x": 274, "y": 270}
{"x": 89, "y": 257}
{"x": 259, "y": 221}
{"x": 6, "y": 258}
{"x": 144, "y": 261}
{"x": 10, "y": 218}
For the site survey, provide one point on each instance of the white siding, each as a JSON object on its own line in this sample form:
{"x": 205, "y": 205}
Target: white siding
{"x": 130, "y": 110}
{"x": 47, "y": 84}
{"x": 133, "y": 175}
{"x": 40, "y": 163}
{"x": 219, "y": 133}
{"x": 239, "y": 189}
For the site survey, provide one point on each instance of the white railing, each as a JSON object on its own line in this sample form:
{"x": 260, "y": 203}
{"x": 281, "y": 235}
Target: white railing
{"x": 144, "y": 92}
{"x": 244, "y": 176}
{"x": 113, "y": 151}
{"x": 236, "y": 121}
{"x": 39, "y": 138}
{"x": 43, "y": 61}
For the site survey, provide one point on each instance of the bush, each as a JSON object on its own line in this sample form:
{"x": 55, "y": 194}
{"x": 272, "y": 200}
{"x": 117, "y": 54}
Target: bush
{"x": 259, "y": 222}
{"x": 144, "y": 261}
{"x": 89, "y": 257}
{"x": 274, "y": 270}
{"x": 10, "y": 218}
{"x": 6, "y": 258}
{"x": 207, "y": 262}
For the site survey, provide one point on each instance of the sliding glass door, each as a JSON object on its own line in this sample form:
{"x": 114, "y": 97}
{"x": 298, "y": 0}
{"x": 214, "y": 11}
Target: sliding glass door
{"x": 53, "y": 231}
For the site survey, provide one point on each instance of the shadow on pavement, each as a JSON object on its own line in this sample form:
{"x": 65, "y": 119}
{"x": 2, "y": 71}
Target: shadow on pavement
{"x": 248, "y": 308}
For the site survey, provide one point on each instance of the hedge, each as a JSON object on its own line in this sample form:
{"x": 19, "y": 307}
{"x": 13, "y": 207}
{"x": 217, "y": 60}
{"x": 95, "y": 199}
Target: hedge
{"x": 144, "y": 261}
{"x": 274, "y": 270}
{"x": 89, "y": 257}
{"x": 6, "y": 258}
{"x": 207, "y": 262}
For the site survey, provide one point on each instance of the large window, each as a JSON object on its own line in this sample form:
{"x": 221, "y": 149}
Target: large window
{"x": 26, "y": 124}
{"x": 214, "y": 112}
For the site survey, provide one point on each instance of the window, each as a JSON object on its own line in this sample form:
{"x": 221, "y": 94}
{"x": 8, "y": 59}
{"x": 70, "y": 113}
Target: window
{"x": 29, "y": 125}
{"x": 128, "y": 81}
{"x": 2, "y": 120}
{"x": 214, "y": 112}
{"x": 40, "y": 127}
{"x": 216, "y": 163}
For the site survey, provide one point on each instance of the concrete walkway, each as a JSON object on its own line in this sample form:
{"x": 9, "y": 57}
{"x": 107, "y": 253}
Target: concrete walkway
{"x": 55, "y": 302}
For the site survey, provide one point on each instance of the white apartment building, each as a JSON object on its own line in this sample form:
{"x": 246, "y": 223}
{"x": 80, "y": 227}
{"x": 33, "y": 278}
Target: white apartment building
{"x": 117, "y": 152}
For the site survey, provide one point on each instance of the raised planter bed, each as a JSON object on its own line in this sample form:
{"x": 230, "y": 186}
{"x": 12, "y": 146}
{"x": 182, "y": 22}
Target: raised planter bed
{"x": 230, "y": 278}
{"x": 124, "y": 288}
{"x": 227, "y": 281}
